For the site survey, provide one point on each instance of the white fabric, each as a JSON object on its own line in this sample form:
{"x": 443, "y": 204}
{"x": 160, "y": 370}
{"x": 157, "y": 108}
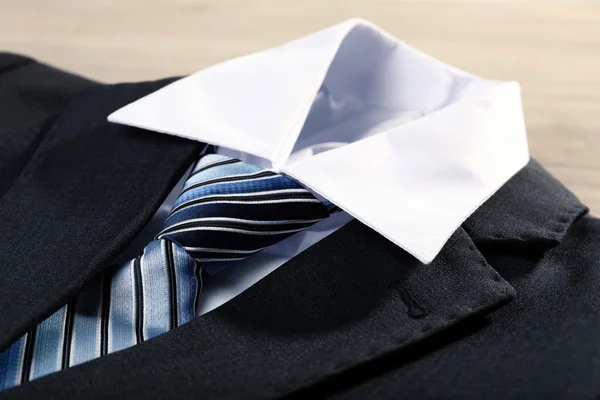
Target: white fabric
{"x": 402, "y": 142}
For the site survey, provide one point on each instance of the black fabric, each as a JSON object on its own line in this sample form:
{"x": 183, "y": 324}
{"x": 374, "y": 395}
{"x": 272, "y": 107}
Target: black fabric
{"x": 543, "y": 345}
{"x": 533, "y": 209}
{"x": 31, "y": 97}
{"x": 350, "y": 298}
{"x": 351, "y": 317}
{"x": 10, "y": 61}
{"x": 84, "y": 194}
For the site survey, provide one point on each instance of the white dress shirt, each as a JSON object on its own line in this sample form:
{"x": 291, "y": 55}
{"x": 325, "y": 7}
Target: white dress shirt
{"x": 402, "y": 142}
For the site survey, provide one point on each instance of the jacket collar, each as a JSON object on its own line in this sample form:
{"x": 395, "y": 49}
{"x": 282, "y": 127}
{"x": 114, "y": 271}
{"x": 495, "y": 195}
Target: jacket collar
{"x": 532, "y": 207}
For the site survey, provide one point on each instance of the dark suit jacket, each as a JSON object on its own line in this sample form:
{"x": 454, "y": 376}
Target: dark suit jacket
{"x": 509, "y": 309}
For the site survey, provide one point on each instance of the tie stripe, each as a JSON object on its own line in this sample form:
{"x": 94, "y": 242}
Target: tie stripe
{"x": 229, "y": 179}
{"x": 208, "y": 254}
{"x": 241, "y": 231}
{"x": 200, "y": 284}
{"x": 270, "y": 197}
{"x": 48, "y": 342}
{"x": 170, "y": 264}
{"x": 138, "y": 300}
{"x": 11, "y": 363}
{"x": 121, "y": 322}
{"x": 260, "y": 227}
{"x": 227, "y": 211}
{"x": 212, "y": 165}
{"x": 68, "y": 333}
{"x": 28, "y": 355}
{"x": 85, "y": 337}
{"x": 227, "y": 251}
{"x": 106, "y": 286}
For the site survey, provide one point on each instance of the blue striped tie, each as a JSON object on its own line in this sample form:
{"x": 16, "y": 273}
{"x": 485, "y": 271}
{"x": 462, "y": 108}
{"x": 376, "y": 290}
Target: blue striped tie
{"x": 227, "y": 210}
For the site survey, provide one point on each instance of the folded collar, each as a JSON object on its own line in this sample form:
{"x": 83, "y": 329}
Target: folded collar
{"x": 404, "y": 143}
{"x": 532, "y": 207}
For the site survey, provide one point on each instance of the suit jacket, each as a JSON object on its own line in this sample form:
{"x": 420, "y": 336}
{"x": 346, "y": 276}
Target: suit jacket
{"x": 509, "y": 309}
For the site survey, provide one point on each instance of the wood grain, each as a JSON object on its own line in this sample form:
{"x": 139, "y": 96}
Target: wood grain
{"x": 552, "y": 49}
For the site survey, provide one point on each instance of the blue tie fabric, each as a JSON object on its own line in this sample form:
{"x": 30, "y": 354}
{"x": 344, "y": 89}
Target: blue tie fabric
{"x": 227, "y": 211}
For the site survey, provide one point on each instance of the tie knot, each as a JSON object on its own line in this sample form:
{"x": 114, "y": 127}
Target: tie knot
{"x": 229, "y": 210}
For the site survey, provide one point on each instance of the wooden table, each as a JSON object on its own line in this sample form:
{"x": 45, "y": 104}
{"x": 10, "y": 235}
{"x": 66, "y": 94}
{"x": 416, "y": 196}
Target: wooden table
{"x": 552, "y": 49}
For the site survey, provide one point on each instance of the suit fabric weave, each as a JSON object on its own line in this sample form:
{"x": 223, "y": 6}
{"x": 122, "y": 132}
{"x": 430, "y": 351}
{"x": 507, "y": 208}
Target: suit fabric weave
{"x": 227, "y": 211}
{"x": 509, "y": 308}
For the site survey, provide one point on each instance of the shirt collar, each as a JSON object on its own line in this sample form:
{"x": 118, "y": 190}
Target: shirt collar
{"x": 406, "y": 144}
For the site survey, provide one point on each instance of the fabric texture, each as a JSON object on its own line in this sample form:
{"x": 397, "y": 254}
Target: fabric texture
{"x": 85, "y": 192}
{"x": 351, "y": 297}
{"x": 544, "y": 344}
{"x": 227, "y": 210}
{"x": 509, "y": 309}
{"x": 32, "y": 95}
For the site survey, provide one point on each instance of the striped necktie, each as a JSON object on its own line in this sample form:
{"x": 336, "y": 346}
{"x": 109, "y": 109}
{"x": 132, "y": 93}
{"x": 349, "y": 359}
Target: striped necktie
{"x": 227, "y": 211}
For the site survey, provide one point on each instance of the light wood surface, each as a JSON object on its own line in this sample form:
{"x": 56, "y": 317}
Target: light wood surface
{"x": 551, "y": 48}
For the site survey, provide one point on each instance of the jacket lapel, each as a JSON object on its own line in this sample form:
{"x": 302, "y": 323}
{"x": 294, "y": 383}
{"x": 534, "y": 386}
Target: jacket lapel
{"x": 353, "y": 297}
{"x": 350, "y": 298}
{"x": 85, "y": 193}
